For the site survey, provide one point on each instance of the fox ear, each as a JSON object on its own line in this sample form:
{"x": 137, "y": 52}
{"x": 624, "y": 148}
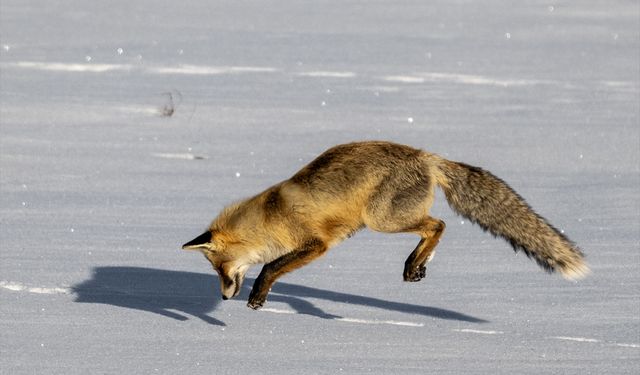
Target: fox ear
{"x": 202, "y": 242}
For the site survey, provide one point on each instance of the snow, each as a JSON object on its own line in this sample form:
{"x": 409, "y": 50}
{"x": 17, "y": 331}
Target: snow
{"x": 328, "y": 75}
{"x": 100, "y": 183}
{"x": 18, "y": 287}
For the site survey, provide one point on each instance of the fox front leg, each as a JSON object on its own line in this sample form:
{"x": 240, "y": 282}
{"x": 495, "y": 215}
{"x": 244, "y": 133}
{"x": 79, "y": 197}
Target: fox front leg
{"x": 309, "y": 251}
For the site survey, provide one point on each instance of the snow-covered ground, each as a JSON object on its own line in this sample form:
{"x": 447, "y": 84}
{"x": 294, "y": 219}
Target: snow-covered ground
{"x": 127, "y": 125}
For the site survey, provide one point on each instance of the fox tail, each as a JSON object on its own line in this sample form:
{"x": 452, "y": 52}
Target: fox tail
{"x": 488, "y": 201}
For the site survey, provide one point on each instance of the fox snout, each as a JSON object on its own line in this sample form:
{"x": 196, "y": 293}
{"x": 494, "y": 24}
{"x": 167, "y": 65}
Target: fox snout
{"x": 230, "y": 286}
{"x": 230, "y": 267}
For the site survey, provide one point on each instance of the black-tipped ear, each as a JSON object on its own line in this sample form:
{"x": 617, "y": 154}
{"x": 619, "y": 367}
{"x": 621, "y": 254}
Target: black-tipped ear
{"x": 202, "y": 242}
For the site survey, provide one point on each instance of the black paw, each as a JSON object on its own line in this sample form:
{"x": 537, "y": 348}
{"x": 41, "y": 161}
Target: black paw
{"x": 256, "y": 302}
{"x": 415, "y": 274}
{"x": 255, "y": 305}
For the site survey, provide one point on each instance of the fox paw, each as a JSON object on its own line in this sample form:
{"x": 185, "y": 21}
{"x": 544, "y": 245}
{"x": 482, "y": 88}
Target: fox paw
{"x": 415, "y": 274}
{"x": 256, "y": 302}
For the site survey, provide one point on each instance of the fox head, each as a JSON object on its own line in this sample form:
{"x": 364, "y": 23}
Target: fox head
{"x": 226, "y": 256}
{"x": 239, "y": 237}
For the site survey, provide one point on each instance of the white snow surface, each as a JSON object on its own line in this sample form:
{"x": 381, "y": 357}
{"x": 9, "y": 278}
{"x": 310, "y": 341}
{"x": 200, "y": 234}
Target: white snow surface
{"x": 125, "y": 126}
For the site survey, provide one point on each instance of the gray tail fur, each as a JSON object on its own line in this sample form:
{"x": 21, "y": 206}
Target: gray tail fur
{"x": 489, "y": 202}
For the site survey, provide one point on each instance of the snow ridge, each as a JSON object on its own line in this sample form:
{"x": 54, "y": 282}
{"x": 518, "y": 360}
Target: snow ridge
{"x": 18, "y": 287}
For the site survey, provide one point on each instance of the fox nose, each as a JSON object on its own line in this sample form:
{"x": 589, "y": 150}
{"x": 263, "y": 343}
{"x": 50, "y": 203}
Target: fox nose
{"x": 225, "y": 297}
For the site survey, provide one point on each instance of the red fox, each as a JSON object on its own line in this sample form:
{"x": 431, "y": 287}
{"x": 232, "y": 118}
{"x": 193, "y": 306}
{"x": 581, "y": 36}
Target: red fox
{"x": 384, "y": 186}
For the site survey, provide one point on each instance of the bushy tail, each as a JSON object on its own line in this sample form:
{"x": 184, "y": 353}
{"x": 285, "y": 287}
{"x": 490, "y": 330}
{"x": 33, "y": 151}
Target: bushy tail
{"x": 489, "y": 202}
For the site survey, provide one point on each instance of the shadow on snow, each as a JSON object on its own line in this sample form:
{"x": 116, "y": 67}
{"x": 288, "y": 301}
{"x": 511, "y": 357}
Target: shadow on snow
{"x": 175, "y": 293}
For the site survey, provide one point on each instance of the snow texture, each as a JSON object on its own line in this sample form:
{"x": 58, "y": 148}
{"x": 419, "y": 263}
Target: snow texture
{"x": 127, "y": 125}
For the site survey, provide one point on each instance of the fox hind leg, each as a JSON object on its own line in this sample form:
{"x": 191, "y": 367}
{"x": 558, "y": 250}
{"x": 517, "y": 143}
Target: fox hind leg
{"x": 415, "y": 266}
{"x": 430, "y": 230}
{"x": 401, "y": 205}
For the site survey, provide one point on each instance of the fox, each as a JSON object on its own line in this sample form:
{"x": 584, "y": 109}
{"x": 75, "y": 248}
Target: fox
{"x": 386, "y": 187}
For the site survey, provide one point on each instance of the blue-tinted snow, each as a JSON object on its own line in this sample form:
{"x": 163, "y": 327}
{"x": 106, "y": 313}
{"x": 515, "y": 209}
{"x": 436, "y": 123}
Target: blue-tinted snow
{"x": 99, "y": 190}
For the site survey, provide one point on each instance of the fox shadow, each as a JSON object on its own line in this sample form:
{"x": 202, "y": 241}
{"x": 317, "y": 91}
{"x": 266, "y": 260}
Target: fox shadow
{"x": 176, "y": 294}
